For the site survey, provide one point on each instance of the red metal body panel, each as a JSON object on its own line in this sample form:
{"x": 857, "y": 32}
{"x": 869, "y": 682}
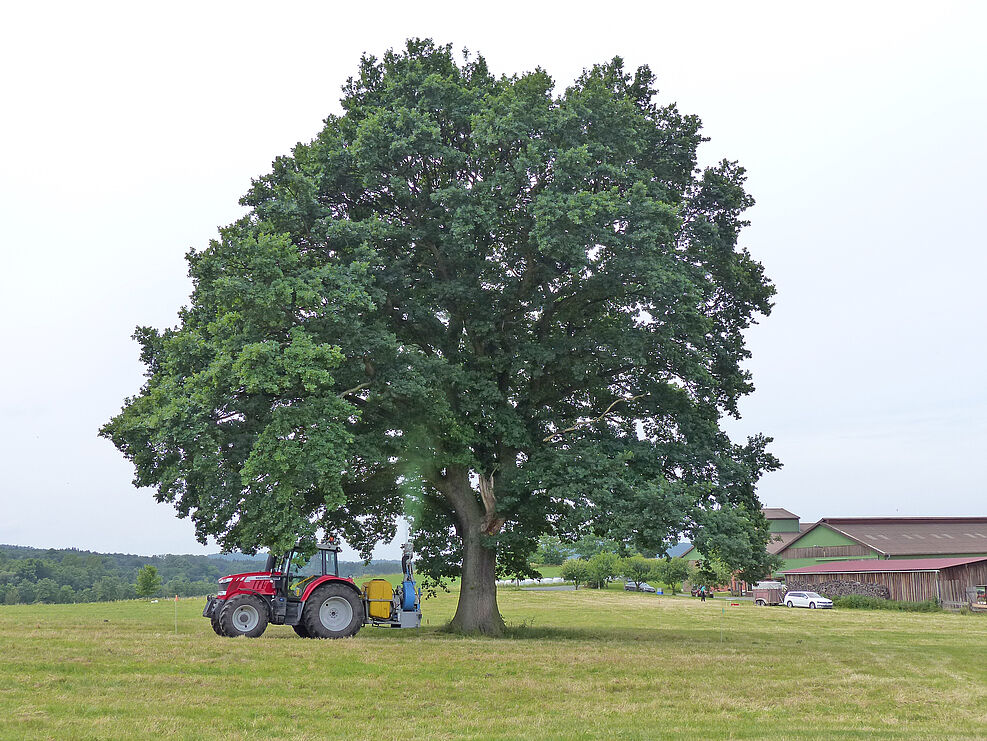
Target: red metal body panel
{"x": 315, "y": 583}
{"x": 254, "y": 582}
{"x": 261, "y": 583}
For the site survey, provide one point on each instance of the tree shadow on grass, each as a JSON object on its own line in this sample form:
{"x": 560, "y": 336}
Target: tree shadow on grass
{"x": 699, "y": 636}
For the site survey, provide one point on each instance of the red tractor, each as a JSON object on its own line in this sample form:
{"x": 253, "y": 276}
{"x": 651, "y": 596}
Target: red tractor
{"x": 312, "y": 598}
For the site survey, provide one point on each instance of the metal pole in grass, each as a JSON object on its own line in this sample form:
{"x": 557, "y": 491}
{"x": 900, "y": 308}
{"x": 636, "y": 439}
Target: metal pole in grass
{"x": 723, "y": 614}
{"x": 176, "y": 614}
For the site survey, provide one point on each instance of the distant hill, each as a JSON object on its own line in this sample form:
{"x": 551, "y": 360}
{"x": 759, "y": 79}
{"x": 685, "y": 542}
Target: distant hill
{"x": 236, "y": 557}
{"x": 63, "y": 575}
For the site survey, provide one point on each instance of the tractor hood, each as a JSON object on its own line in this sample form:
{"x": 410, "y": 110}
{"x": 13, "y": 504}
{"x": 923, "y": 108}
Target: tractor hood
{"x": 250, "y": 576}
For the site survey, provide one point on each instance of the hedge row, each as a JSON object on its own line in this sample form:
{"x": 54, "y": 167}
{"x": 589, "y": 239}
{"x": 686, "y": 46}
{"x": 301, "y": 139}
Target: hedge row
{"x": 862, "y": 602}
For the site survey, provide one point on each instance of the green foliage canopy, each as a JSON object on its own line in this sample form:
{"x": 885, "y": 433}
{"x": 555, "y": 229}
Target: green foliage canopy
{"x": 710, "y": 573}
{"x": 551, "y": 551}
{"x": 498, "y": 309}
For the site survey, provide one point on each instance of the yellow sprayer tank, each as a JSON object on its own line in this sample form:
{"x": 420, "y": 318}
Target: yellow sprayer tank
{"x": 380, "y": 596}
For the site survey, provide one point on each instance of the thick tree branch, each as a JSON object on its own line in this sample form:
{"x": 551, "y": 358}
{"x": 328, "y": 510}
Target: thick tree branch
{"x": 355, "y": 389}
{"x": 580, "y": 425}
{"x": 492, "y": 522}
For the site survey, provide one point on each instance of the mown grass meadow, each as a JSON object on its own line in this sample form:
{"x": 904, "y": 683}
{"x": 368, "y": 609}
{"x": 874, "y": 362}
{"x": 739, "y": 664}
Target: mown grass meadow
{"x": 576, "y": 665}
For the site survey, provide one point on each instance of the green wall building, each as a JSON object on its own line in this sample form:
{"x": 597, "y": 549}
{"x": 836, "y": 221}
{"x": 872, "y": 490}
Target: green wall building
{"x": 834, "y": 539}
{"x": 858, "y": 538}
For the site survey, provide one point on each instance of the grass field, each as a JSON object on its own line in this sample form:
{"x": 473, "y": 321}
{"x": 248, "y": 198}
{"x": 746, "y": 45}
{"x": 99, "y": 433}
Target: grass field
{"x": 578, "y": 665}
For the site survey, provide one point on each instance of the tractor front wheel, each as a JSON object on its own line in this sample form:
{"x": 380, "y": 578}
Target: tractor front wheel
{"x": 333, "y": 611}
{"x": 215, "y": 622}
{"x": 243, "y": 615}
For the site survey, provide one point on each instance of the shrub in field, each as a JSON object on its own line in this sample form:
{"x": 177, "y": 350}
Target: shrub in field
{"x": 603, "y": 567}
{"x": 863, "y": 602}
{"x": 637, "y": 569}
{"x": 576, "y": 570}
{"x": 672, "y": 571}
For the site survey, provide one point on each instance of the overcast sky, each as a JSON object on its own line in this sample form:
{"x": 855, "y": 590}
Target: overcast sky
{"x": 130, "y": 131}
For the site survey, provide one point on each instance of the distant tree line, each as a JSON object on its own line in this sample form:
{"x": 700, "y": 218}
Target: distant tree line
{"x": 595, "y": 562}
{"x": 600, "y": 569}
{"x": 67, "y": 575}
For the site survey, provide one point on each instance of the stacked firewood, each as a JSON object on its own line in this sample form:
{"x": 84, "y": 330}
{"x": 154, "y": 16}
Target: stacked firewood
{"x": 841, "y": 588}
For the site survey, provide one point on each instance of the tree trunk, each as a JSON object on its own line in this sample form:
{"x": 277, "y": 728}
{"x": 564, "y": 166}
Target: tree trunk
{"x": 477, "y": 611}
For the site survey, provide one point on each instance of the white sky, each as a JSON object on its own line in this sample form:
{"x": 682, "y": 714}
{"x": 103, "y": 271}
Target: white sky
{"x": 129, "y": 131}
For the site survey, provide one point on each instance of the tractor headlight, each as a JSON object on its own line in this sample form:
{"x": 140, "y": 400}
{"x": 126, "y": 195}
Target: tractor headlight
{"x": 221, "y": 594}
{"x": 225, "y": 579}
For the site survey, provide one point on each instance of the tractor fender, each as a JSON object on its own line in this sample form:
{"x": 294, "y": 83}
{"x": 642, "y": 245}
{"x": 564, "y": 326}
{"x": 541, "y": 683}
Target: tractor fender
{"x": 316, "y": 583}
{"x": 265, "y": 597}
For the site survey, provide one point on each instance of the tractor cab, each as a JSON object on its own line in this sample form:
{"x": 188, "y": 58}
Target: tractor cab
{"x": 292, "y": 572}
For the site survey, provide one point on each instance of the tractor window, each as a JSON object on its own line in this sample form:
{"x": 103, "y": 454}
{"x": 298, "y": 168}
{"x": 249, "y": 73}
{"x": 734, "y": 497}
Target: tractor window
{"x": 301, "y": 569}
{"x": 283, "y": 562}
{"x": 332, "y": 563}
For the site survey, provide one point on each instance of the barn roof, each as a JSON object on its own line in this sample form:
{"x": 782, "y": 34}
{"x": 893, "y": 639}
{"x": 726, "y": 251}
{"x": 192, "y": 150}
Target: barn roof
{"x": 678, "y": 549}
{"x": 884, "y": 565}
{"x": 903, "y": 536}
{"x": 778, "y": 513}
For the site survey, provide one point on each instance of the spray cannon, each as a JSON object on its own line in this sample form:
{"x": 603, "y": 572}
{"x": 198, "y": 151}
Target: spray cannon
{"x": 399, "y": 607}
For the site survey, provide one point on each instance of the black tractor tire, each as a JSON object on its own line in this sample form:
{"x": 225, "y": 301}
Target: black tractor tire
{"x": 301, "y": 631}
{"x": 215, "y": 621}
{"x": 333, "y": 611}
{"x": 243, "y": 615}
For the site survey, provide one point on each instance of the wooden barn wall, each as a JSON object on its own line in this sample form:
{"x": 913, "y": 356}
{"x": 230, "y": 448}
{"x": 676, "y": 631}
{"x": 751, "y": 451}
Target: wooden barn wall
{"x": 915, "y": 585}
{"x": 953, "y": 582}
{"x": 949, "y": 585}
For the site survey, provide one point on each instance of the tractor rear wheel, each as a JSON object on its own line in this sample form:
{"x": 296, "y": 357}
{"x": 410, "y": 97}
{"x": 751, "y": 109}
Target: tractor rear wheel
{"x": 243, "y": 615}
{"x": 333, "y": 611}
{"x": 300, "y": 630}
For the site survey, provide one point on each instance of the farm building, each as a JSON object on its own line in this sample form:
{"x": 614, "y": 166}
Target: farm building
{"x": 837, "y": 542}
{"x": 856, "y": 538}
{"x": 785, "y": 527}
{"x": 949, "y": 580}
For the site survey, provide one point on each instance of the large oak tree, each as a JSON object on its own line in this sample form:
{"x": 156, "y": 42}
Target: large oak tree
{"x": 495, "y": 309}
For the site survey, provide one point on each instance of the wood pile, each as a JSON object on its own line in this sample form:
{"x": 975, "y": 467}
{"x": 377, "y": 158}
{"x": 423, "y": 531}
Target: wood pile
{"x": 841, "y": 588}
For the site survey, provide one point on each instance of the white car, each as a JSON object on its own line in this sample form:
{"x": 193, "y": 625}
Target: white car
{"x": 811, "y": 600}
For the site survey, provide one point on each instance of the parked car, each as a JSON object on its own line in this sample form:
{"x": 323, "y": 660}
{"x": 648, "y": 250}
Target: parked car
{"x": 630, "y": 587}
{"x": 811, "y": 600}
